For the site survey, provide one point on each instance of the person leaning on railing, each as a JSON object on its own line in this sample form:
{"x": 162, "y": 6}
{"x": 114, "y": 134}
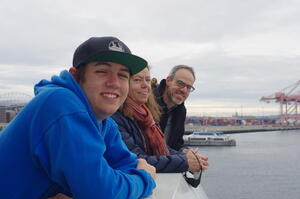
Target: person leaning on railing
{"x": 137, "y": 120}
{"x": 63, "y": 140}
{"x": 171, "y": 93}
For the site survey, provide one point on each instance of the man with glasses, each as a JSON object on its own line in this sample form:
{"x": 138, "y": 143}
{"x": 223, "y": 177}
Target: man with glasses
{"x": 171, "y": 94}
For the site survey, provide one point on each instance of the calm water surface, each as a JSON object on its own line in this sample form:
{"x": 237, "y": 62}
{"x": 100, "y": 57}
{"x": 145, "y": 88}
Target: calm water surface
{"x": 263, "y": 165}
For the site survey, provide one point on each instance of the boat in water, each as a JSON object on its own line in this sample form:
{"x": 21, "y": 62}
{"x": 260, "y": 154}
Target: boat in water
{"x": 209, "y": 138}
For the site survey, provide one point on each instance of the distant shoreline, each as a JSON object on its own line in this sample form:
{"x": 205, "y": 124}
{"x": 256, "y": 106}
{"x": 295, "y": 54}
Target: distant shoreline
{"x": 239, "y": 129}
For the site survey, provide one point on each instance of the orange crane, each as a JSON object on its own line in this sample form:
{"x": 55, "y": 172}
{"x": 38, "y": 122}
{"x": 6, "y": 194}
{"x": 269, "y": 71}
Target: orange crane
{"x": 289, "y": 101}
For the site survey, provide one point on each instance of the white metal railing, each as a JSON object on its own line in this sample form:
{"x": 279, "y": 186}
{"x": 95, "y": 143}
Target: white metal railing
{"x": 174, "y": 186}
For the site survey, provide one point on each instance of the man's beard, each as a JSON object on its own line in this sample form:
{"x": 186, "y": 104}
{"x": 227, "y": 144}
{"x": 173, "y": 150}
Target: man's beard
{"x": 173, "y": 99}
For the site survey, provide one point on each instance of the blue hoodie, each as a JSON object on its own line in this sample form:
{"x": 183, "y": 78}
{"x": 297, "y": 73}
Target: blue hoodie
{"x": 56, "y": 145}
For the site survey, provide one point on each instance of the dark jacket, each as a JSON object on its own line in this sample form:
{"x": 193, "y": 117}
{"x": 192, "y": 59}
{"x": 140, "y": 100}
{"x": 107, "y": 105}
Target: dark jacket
{"x": 133, "y": 137}
{"x": 177, "y": 114}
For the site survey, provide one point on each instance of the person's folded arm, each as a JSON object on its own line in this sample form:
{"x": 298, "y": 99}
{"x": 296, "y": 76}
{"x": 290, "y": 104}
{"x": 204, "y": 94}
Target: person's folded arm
{"x": 77, "y": 160}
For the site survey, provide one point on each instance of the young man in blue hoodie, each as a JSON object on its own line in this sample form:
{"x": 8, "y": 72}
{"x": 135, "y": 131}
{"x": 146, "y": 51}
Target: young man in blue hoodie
{"x": 63, "y": 141}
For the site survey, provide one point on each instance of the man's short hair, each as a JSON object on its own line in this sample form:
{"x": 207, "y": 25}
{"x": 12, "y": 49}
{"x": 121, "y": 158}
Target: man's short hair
{"x": 178, "y": 67}
{"x": 81, "y": 73}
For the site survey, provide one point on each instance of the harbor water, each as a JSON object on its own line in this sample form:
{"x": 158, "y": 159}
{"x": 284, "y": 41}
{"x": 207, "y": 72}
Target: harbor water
{"x": 263, "y": 165}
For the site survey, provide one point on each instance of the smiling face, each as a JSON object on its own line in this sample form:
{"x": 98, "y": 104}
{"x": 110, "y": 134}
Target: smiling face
{"x": 174, "y": 94}
{"x": 140, "y": 86}
{"x": 106, "y": 87}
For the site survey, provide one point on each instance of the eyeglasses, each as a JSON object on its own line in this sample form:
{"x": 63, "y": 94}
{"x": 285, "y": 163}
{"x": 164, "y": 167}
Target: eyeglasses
{"x": 181, "y": 84}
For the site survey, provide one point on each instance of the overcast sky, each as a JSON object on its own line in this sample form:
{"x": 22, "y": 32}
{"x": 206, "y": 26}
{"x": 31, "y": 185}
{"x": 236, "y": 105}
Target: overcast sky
{"x": 240, "y": 50}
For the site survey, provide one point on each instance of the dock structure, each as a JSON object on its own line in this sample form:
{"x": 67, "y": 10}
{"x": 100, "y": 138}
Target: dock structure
{"x": 239, "y": 129}
{"x": 289, "y": 101}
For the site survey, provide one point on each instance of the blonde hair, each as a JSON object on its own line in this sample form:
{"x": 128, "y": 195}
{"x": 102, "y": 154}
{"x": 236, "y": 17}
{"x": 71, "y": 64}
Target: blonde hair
{"x": 151, "y": 104}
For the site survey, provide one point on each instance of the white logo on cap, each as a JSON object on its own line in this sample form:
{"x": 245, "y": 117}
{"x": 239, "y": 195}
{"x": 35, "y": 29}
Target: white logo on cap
{"x": 116, "y": 45}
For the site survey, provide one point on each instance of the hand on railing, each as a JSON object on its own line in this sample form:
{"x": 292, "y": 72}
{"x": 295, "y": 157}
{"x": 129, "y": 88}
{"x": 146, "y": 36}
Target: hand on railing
{"x": 142, "y": 164}
{"x": 196, "y": 161}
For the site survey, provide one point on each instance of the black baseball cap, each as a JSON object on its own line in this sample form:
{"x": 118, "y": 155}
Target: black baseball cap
{"x": 109, "y": 49}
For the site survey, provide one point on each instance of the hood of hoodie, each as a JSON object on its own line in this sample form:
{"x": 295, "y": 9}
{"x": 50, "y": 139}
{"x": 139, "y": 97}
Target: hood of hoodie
{"x": 63, "y": 80}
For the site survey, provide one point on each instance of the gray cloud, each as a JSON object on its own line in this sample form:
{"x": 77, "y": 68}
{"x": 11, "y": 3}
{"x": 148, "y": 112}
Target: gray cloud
{"x": 241, "y": 50}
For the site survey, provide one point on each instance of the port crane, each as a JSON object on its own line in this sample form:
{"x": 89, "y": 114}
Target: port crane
{"x": 289, "y": 101}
